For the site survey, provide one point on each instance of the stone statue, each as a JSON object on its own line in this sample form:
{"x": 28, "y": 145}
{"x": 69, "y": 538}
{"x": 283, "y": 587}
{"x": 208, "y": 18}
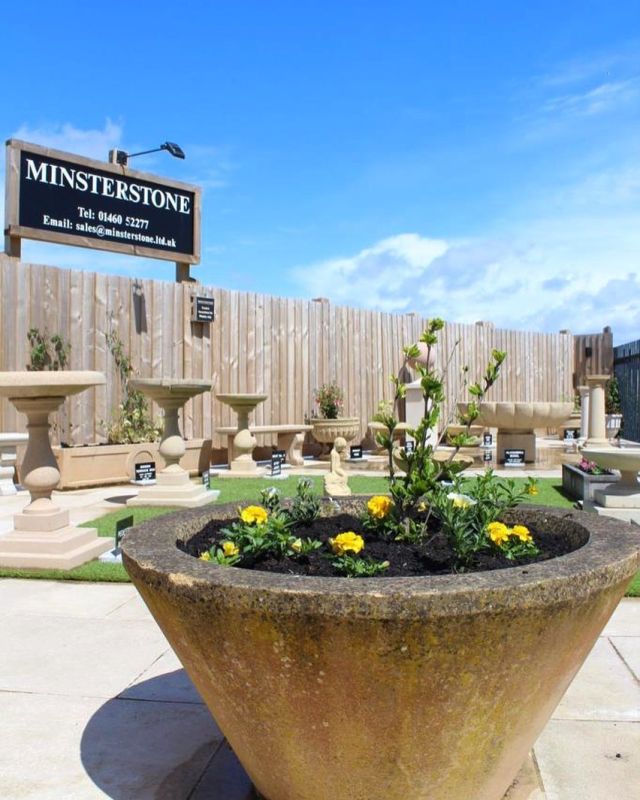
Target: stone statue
{"x": 335, "y": 482}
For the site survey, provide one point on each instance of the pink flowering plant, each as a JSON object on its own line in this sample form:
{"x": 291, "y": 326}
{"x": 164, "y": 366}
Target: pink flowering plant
{"x": 329, "y": 399}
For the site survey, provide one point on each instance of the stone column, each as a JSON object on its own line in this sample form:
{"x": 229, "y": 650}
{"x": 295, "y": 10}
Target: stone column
{"x": 584, "y": 412}
{"x": 597, "y": 424}
{"x": 415, "y": 410}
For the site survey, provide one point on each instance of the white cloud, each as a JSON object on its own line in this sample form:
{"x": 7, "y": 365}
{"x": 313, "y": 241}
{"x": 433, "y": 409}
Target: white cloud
{"x": 546, "y": 275}
{"x": 598, "y": 99}
{"x": 92, "y": 143}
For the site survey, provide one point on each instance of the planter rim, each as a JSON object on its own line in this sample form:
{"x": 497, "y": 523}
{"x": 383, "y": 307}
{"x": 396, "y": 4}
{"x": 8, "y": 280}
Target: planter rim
{"x": 610, "y": 555}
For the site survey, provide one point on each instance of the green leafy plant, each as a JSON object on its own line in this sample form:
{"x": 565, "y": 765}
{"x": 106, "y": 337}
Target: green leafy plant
{"x": 47, "y": 352}
{"x": 430, "y": 497}
{"x": 612, "y": 397}
{"x": 329, "y": 399}
{"x": 356, "y": 567}
{"x": 132, "y": 422}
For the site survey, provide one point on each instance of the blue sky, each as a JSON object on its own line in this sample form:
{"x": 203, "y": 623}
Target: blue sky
{"x": 463, "y": 159}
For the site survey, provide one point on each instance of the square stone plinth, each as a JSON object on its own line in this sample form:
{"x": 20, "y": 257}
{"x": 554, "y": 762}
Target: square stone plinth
{"x": 64, "y": 548}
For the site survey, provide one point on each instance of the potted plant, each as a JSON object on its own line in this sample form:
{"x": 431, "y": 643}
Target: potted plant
{"x": 582, "y": 479}
{"x": 613, "y": 409}
{"x": 415, "y": 669}
{"x": 132, "y": 437}
{"x": 330, "y": 424}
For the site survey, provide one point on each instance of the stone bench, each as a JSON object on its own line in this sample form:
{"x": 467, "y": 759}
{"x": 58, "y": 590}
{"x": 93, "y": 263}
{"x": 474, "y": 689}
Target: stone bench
{"x": 289, "y": 439}
{"x": 8, "y": 457}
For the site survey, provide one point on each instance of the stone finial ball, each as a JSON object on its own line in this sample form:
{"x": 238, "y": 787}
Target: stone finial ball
{"x": 423, "y": 359}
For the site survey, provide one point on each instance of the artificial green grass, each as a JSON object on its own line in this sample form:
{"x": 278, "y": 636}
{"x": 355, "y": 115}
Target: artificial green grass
{"x": 550, "y": 493}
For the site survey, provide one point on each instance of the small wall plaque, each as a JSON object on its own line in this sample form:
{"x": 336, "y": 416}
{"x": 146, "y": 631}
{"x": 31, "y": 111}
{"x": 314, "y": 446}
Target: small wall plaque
{"x": 513, "y": 458}
{"x": 487, "y": 440}
{"x": 145, "y": 472}
{"x": 356, "y": 451}
{"x": 202, "y": 309}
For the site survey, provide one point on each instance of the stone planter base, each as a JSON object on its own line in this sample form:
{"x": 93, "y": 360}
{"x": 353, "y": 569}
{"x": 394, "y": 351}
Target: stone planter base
{"x": 99, "y": 465}
{"x": 581, "y": 485}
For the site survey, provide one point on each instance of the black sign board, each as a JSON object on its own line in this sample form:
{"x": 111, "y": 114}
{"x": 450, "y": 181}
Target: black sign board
{"x": 123, "y": 525}
{"x": 571, "y": 434}
{"x": 487, "y": 439}
{"x": 61, "y": 197}
{"x": 203, "y": 309}
{"x": 513, "y": 457}
{"x": 145, "y": 471}
{"x": 279, "y": 454}
{"x": 409, "y": 446}
{"x": 487, "y": 455}
{"x": 205, "y": 478}
{"x": 356, "y": 451}
{"x": 276, "y": 465}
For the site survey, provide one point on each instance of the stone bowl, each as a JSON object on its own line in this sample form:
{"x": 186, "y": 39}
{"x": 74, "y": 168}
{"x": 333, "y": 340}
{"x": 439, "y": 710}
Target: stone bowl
{"x": 427, "y": 688}
{"x": 326, "y": 431}
{"x": 521, "y": 416}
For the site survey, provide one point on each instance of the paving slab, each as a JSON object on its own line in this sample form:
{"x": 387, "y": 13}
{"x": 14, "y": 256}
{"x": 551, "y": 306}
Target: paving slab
{"x": 61, "y": 598}
{"x": 133, "y": 608}
{"x": 589, "y": 760}
{"x": 165, "y": 680}
{"x": 603, "y": 689}
{"x": 626, "y": 619}
{"x": 72, "y": 748}
{"x": 629, "y": 649}
{"x": 92, "y": 658}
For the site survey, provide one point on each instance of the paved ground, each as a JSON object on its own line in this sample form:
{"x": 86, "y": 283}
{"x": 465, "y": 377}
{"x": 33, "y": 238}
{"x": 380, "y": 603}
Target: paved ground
{"x": 93, "y": 703}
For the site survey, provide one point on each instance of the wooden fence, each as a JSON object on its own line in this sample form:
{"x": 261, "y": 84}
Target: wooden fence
{"x": 283, "y": 347}
{"x": 593, "y": 355}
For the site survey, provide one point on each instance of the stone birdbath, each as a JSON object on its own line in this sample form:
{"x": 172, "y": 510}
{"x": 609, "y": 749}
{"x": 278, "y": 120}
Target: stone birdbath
{"x": 173, "y": 486}
{"x": 8, "y": 457}
{"x": 516, "y": 423}
{"x": 42, "y": 535}
{"x": 626, "y": 492}
{"x": 244, "y": 441}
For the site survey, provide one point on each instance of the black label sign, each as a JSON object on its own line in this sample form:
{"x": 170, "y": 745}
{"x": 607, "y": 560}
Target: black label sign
{"x": 356, "y": 451}
{"x": 123, "y": 525}
{"x": 276, "y": 465}
{"x": 512, "y": 457}
{"x": 205, "y": 478}
{"x": 487, "y": 455}
{"x": 487, "y": 439}
{"x": 409, "y": 446}
{"x": 203, "y": 309}
{"x": 63, "y": 197}
{"x": 145, "y": 471}
{"x": 279, "y": 454}
{"x": 571, "y": 434}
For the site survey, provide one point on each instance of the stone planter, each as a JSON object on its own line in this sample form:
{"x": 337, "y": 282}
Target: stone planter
{"x": 613, "y": 423}
{"x": 99, "y": 465}
{"x": 427, "y": 688}
{"x": 581, "y": 485}
{"x": 326, "y": 431}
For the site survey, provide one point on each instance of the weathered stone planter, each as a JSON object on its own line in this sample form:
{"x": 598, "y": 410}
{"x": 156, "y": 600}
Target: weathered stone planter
{"x": 99, "y": 465}
{"x": 581, "y": 485}
{"x": 326, "y": 431}
{"x": 428, "y": 688}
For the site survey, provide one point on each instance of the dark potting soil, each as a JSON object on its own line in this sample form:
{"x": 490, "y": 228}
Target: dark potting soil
{"x": 435, "y": 557}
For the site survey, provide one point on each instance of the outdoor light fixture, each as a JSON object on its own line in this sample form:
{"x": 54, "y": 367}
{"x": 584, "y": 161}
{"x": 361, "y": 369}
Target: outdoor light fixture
{"x": 120, "y": 157}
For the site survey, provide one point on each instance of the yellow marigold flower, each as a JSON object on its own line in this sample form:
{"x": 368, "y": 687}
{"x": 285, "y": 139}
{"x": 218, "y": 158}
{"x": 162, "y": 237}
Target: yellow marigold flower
{"x": 423, "y": 506}
{"x": 522, "y": 532}
{"x": 346, "y": 542}
{"x": 205, "y": 556}
{"x": 230, "y": 549}
{"x": 498, "y": 532}
{"x": 379, "y": 506}
{"x": 532, "y": 490}
{"x": 254, "y": 514}
{"x": 296, "y": 546}
{"x": 461, "y": 500}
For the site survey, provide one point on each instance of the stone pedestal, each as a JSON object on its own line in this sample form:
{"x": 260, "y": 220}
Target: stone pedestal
{"x": 626, "y": 493}
{"x": 415, "y": 410}
{"x": 516, "y": 440}
{"x": 584, "y": 412}
{"x": 173, "y": 486}
{"x": 8, "y": 457}
{"x": 597, "y": 424}
{"x": 42, "y": 536}
{"x": 244, "y": 441}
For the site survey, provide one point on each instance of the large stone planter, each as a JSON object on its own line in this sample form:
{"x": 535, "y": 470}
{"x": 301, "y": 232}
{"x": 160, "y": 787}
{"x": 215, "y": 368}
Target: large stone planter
{"x": 428, "y": 688}
{"x": 581, "y": 485}
{"x": 326, "y": 431}
{"x": 100, "y": 465}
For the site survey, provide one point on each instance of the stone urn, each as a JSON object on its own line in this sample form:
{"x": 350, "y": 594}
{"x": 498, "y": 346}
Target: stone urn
{"x": 425, "y": 688}
{"x": 326, "y": 431}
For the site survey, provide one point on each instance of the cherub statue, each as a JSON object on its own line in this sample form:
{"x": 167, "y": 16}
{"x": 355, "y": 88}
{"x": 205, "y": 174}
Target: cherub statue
{"x": 335, "y": 482}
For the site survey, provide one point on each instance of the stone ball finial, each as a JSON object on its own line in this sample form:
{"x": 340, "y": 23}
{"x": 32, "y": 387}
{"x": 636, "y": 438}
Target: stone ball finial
{"x": 424, "y": 359}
